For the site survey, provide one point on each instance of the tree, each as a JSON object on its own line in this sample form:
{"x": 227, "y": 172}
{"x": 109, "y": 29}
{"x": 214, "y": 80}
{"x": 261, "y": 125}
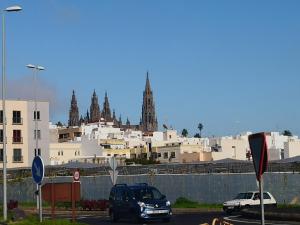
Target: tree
{"x": 197, "y": 135}
{"x": 287, "y": 133}
{"x": 59, "y": 124}
{"x": 184, "y": 132}
{"x": 200, "y": 127}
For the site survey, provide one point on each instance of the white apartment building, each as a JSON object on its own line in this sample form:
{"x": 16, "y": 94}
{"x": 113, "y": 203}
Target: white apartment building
{"x": 229, "y": 147}
{"x": 292, "y": 148}
{"x": 20, "y": 132}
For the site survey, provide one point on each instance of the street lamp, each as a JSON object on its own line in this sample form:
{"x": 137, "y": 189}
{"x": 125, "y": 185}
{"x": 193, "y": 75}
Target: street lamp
{"x": 36, "y": 69}
{"x": 9, "y": 9}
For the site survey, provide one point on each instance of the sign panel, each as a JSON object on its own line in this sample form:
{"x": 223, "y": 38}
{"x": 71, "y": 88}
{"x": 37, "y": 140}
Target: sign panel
{"x": 76, "y": 176}
{"x": 259, "y": 152}
{"x": 60, "y": 192}
{"x": 113, "y": 163}
{"x": 113, "y": 176}
{"x": 37, "y": 170}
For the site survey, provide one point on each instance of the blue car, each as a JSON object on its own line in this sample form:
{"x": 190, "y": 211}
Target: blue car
{"x": 138, "y": 202}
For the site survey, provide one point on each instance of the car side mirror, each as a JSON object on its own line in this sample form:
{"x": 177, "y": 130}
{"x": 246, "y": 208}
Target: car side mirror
{"x": 163, "y": 196}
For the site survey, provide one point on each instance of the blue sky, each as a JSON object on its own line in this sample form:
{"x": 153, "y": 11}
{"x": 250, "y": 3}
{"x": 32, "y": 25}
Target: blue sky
{"x": 231, "y": 65}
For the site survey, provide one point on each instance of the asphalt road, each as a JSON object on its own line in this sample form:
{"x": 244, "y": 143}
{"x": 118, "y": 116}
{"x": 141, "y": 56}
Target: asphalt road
{"x": 184, "y": 219}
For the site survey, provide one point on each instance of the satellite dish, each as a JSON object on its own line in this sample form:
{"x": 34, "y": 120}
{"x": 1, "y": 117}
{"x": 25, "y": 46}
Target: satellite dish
{"x": 165, "y": 126}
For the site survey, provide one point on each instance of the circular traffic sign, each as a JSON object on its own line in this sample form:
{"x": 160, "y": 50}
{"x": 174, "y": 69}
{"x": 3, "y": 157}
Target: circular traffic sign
{"x": 76, "y": 176}
{"x": 37, "y": 170}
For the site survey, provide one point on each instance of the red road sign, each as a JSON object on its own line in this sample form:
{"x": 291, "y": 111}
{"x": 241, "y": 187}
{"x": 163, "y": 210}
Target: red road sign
{"x": 76, "y": 176}
{"x": 259, "y": 152}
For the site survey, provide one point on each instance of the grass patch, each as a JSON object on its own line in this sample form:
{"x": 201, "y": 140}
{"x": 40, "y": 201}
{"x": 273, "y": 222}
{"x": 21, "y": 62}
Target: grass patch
{"x": 32, "y": 220}
{"x": 186, "y": 203}
{"x": 288, "y": 206}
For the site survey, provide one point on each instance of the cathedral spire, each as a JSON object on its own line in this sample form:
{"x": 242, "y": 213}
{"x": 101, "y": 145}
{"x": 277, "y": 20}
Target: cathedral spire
{"x": 106, "y": 113}
{"x": 73, "y": 113}
{"x": 94, "y": 109}
{"x": 148, "y": 87}
{"x": 149, "y": 120}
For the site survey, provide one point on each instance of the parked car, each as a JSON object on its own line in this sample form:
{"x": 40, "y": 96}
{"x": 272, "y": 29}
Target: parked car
{"x": 138, "y": 202}
{"x": 248, "y": 200}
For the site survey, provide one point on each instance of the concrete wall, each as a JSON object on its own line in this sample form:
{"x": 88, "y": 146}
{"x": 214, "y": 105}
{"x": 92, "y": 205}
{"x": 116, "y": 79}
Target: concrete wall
{"x": 206, "y": 188}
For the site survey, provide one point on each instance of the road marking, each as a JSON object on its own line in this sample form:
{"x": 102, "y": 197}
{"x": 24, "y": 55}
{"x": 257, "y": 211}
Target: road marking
{"x": 233, "y": 219}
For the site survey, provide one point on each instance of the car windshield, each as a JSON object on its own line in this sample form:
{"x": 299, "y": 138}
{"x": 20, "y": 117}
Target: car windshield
{"x": 247, "y": 195}
{"x": 146, "y": 193}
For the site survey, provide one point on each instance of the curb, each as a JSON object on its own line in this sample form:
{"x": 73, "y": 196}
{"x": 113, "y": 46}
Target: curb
{"x": 271, "y": 215}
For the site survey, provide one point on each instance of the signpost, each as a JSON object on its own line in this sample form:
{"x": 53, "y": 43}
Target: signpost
{"x": 38, "y": 171}
{"x": 259, "y": 152}
{"x": 113, "y": 173}
{"x": 76, "y": 176}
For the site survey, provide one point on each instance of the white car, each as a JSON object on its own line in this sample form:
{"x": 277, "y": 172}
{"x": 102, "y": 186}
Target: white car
{"x": 248, "y": 200}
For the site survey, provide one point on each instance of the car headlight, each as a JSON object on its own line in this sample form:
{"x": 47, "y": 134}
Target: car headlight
{"x": 168, "y": 203}
{"x": 142, "y": 205}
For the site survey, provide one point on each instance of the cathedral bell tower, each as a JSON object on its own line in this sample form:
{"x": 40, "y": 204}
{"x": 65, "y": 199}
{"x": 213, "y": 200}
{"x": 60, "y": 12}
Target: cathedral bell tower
{"x": 73, "y": 113}
{"x": 148, "y": 121}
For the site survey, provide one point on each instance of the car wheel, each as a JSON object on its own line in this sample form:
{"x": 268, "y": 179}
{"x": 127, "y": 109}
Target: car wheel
{"x": 113, "y": 217}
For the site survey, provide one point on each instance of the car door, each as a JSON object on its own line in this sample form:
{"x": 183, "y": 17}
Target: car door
{"x": 256, "y": 199}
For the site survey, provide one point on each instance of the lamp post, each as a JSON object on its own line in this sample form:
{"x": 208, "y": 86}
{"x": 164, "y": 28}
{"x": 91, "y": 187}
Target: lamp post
{"x": 36, "y": 69}
{"x": 9, "y": 9}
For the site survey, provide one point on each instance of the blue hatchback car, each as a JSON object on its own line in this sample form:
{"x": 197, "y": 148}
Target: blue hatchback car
{"x": 138, "y": 202}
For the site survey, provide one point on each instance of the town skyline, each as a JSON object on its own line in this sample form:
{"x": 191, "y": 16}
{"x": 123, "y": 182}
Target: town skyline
{"x": 224, "y": 69}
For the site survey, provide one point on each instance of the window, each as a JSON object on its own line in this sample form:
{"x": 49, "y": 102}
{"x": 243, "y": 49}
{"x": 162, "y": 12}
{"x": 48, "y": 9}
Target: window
{"x": 17, "y": 136}
{"x": 58, "y": 153}
{"x": 36, "y": 115}
{"x": 172, "y": 154}
{"x": 17, "y": 157}
{"x": 1, "y": 136}
{"x": 158, "y": 154}
{"x": 17, "y": 117}
{"x": 38, "y": 152}
{"x": 1, "y": 154}
{"x": 1, "y": 116}
{"x": 166, "y": 155}
{"x": 38, "y": 134}
{"x": 266, "y": 196}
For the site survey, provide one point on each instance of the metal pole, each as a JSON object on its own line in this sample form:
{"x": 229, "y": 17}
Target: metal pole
{"x": 262, "y": 201}
{"x": 4, "y": 120}
{"x": 35, "y": 130}
{"x": 40, "y": 203}
{"x": 113, "y": 163}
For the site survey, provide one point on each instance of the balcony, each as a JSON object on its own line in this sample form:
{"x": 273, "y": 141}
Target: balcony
{"x": 17, "y": 159}
{"x": 17, "y": 140}
{"x": 17, "y": 121}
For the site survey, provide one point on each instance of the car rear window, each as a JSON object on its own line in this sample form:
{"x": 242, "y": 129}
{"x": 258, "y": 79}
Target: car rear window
{"x": 246, "y": 195}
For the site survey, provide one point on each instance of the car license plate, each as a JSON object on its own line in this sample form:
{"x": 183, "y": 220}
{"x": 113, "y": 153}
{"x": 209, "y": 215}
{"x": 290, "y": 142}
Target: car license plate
{"x": 157, "y": 211}
{"x": 230, "y": 207}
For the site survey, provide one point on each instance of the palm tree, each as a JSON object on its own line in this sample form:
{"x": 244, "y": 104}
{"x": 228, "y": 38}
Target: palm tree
{"x": 200, "y": 127}
{"x": 184, "y": 133}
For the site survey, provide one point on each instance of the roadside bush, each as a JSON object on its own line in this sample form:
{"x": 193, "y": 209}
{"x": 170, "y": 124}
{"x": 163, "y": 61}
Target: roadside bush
{"x": 12, "y": 204}
{"x": 100, "y": 204}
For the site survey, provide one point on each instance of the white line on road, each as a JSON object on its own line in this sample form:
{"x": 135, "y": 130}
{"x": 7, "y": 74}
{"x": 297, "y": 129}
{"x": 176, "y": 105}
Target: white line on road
{"x": 234, "y": 219}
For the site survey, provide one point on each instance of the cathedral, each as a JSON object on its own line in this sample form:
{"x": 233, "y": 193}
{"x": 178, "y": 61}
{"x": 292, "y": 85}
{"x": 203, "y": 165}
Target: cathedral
{"x": 148, "y": 121}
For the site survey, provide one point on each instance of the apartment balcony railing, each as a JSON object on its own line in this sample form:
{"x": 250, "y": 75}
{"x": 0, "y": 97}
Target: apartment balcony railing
{"x": 17, "y": 159}
{"x": 17, "y": 140}
{"x": 17, "y": 121}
